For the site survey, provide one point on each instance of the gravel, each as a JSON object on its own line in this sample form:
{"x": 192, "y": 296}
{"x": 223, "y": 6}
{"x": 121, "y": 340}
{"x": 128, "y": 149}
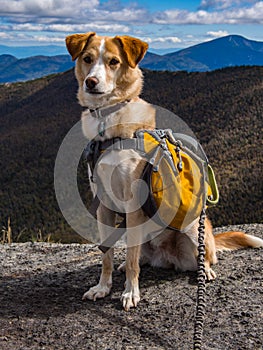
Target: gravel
{"x": 41, "y": 307}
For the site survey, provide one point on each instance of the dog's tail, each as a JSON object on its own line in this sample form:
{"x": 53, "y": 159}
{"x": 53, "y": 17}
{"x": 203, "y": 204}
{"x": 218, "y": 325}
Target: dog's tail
{"x": 236, "y": 240}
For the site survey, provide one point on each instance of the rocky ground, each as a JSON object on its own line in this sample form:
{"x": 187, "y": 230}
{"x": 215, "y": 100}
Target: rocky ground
{"x": 41, "y": 307}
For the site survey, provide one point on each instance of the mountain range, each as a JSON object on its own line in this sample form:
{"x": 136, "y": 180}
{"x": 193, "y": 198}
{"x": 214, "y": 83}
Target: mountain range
{"x": 228, "y": 51}
{"x": 28, "y": 51}
{"x": 13, "y": 69}
{"x": 223, "y": 108}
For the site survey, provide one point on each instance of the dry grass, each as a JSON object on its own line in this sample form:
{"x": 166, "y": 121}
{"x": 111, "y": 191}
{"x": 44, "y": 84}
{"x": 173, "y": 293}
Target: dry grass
{"x": 41, "y": 238}
{"x": 7, "y": 237}
{"x": 7, "y": 233}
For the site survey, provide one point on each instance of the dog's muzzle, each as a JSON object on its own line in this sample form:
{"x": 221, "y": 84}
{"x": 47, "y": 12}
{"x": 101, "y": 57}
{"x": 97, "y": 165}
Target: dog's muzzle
{"x": 91, "y": 86}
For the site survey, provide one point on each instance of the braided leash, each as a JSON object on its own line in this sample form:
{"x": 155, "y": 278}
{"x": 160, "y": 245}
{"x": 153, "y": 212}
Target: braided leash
{"x": 201, "y": 290}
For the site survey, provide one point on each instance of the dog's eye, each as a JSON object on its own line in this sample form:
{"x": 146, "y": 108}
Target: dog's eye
{"x": 114, "y": 62}
{"x": 88, "y": 59}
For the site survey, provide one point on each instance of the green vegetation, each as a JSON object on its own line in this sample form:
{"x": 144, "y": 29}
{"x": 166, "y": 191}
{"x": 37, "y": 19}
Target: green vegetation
{"x": 224, "y": 108}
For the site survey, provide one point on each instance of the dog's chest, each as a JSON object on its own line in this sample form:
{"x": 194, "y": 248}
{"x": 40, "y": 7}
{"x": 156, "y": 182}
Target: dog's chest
{"x": 117, "y": 172}
{"x": 100, "y": 128}
{"x": 92, "y": 126}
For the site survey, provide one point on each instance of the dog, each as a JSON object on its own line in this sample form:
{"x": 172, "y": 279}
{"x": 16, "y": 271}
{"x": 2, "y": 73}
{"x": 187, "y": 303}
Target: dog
{"x": 108, "y": 76}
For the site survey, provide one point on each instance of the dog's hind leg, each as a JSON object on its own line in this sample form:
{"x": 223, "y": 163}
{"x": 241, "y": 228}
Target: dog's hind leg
{"x": 143, "y": 261}
{"x": 210, "y": 248}
{"x": 106, "y": 222}
{"x": 210, "y": 251}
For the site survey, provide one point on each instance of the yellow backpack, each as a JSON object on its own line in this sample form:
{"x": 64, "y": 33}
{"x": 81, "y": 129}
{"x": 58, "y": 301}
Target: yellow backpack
{"x": 179, "y": 178}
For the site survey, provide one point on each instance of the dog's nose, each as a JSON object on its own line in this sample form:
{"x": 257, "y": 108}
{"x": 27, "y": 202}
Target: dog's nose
{"x": 91, "y": 82}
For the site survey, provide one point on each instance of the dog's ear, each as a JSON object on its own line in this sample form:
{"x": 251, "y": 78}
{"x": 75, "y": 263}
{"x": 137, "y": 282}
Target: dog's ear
{"x": 134, "y": 49}
{"x": 77, "y": 42}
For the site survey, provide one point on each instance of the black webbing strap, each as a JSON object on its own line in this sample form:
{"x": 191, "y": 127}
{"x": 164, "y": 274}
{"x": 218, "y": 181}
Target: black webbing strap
{"x": 94, "y": 206}
{"x": 118, "y": 144}
{"x": 113, "y": 237}
{"x": 95, "y": 149}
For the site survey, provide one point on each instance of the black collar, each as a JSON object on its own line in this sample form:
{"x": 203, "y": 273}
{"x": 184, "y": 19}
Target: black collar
{"x": 103, "y": 112}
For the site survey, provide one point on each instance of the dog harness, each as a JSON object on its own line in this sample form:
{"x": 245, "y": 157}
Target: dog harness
{"x": 179, "y": 178}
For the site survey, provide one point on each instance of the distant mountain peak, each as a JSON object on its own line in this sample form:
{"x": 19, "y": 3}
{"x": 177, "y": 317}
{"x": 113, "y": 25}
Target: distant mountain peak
{"x": 7, "y": 55}
{"x": 230, "y": 50}
{"x": 6, "y": 60}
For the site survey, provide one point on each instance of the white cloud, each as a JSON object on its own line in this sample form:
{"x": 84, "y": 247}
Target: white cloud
{"x": 218, "y": 4}
{"x": 48, "y": 39}
{"x": 168, "y": 39}
{"x": 12, "y": 37}
{"x": 68, "y": 11}
{"x": 137, "y": 15}
{"x": 46, "y": 7}
{"x": 26, "y": 27}
{"x": 100, "y": 27}
{"x": 184, "y": 17}
{"x": 224, "y": 4}
{"x": 66, "y": 28}
{"x": 217, "y": 34}
{"x": 161, "y": 42}
{"x": 4, "y": 35}
{"x": 253, "y": 14}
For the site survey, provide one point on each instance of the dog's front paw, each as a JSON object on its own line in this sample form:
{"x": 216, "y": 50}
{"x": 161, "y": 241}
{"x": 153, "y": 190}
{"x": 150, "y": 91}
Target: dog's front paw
{"x": 130, "y": 298}
{"x": 97, "y": 292}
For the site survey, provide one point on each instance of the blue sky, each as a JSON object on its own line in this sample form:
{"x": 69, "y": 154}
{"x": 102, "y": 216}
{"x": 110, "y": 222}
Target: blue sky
{"x": 163, "y": 24}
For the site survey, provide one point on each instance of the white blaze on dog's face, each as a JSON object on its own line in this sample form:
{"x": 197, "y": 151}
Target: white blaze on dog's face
{"x": 106, "y": 68}
{"x": 100, "y": 78}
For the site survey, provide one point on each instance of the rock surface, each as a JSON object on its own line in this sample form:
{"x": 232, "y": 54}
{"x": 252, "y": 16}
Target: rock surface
{"x": 41, "y": 307}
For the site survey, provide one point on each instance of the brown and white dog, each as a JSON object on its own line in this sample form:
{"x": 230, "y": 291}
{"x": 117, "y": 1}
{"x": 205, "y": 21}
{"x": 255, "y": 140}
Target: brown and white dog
{"x": 108, "y": 74}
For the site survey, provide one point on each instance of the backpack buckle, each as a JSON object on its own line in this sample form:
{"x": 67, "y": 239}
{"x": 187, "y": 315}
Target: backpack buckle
{"x": 161, "y": 133}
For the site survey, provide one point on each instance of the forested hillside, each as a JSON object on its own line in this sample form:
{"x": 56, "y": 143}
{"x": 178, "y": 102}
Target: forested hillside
{"x": 224, "y": 108}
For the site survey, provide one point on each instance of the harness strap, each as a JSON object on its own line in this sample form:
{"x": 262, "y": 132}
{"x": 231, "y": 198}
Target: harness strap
{"x": 95, "y": 149}
{"x": 118, "y": 143}
{"x": 113, "y": 237}
{"x": 94, "y": 206}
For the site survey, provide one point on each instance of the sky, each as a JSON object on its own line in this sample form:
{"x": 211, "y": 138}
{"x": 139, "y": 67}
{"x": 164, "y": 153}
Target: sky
{"x": 163, "y": 24}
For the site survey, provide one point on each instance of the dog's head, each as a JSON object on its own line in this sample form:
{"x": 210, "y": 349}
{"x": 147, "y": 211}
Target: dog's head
{"x": 106, "y": 68}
